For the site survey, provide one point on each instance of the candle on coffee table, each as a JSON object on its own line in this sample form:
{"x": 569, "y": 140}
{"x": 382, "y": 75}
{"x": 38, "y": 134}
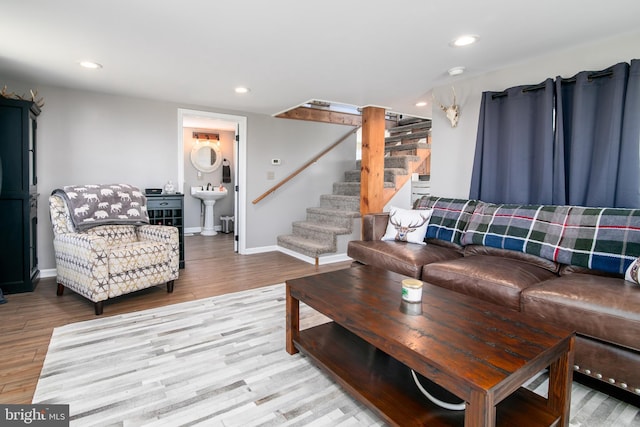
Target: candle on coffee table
{"x": 412, "y": 290}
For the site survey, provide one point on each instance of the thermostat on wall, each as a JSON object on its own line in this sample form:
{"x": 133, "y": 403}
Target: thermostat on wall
{"x": 275, "y": 161}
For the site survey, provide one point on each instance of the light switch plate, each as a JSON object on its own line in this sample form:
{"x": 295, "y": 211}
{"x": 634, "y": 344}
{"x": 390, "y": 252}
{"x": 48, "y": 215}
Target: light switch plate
{"x": 276, "y": 162}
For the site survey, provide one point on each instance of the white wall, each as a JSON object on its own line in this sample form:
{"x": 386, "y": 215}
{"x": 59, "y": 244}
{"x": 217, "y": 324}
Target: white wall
{"x": 453, "y": 148}
{"x": 88, "y": 137}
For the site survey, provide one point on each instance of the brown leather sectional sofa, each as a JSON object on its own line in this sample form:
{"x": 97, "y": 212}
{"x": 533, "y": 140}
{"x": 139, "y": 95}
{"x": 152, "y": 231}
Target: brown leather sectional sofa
{"x": 600, "y": 306}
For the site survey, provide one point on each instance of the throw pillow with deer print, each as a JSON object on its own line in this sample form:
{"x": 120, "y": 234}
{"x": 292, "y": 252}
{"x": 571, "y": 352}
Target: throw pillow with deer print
{"x": 632, "y": 273}
{"x": 407, "y": 225}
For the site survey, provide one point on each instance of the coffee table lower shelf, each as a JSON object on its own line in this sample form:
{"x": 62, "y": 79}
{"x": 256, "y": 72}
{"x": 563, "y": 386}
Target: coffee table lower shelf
{"x": 386, "y": 386}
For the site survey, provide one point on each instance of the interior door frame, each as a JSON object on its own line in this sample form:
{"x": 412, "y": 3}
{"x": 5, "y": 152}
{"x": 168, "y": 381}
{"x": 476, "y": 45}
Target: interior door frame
{"x": 239, "y": 165}
{"x": 236, "y": 207}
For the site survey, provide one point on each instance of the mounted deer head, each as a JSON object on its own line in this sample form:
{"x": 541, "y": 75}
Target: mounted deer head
{"x": 403, "y": 230}
{"x": 452, "y": 111}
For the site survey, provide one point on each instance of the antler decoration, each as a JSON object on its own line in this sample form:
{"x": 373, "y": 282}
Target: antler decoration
{"x": 452, "y": 111}
{"x": 12, "y": 95}
{"x": 6, "y": 94}
{"x": 39, "y": 102}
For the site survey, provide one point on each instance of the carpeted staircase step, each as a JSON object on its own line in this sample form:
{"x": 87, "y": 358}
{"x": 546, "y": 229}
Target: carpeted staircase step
{"x": 389, "y": 174}
{"x": 406, "y": 147}
{"x": 352, "y": 176}
{"x": 304, "y": 246}
{"x": 353, "y": 188}
{"x": 336, "y": 217}
{"x": 329, "y": 227}
{"x": 321, "y": 233}
{"x": 340, "y": 201}
{"x": 397, "y": 162}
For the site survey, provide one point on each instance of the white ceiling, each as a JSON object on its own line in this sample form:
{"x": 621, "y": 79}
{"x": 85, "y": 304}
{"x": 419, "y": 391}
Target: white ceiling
{"x": 358, "y": 52}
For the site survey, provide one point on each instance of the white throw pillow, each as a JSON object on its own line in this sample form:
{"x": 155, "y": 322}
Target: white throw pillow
{"x": 632, "y": 271}
{"x": 407, "y": 225}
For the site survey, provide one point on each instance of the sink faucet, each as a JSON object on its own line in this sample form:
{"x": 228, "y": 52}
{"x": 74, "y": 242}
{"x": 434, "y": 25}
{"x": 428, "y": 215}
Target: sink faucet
{"x": 209, "y": 186}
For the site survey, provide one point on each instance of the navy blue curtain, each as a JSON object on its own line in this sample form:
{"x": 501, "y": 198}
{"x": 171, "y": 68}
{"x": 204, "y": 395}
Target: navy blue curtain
{"x": 590, "y": 114}
{"x": 575, "y": 142}
{"x": 628, "y": 185}
{"x": 514, "y": 148}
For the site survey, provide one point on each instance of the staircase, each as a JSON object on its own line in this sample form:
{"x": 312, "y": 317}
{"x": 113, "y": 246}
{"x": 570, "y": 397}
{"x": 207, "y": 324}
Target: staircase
{"x": 328, "y": 228}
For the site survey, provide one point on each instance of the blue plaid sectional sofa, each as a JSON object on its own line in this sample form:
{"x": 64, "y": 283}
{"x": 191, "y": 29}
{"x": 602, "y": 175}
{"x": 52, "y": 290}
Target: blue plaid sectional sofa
{"x": 562, "y": 264}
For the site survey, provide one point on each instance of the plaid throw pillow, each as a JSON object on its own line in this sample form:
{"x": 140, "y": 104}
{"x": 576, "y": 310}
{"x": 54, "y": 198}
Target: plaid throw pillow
{"x": 606, "y": 239}
{"x": 532, "y": 229}
{"x": 449, "y": 217}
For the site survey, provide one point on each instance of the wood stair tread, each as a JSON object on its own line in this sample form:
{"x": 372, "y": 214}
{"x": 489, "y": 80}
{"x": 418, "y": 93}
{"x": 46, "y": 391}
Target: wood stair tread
{"x": 408, "y": 121}
{"x": 405, "y": 128}
{"x": 404, "y": 147}
{"x": 414, "y": 135}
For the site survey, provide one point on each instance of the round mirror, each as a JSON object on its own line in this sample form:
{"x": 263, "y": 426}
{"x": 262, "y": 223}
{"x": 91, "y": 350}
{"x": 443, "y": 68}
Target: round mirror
{"x": 206, "y": 158}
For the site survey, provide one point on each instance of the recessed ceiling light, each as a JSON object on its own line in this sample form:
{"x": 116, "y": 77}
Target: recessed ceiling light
{"x": 421, "y": 104}
{"x": 456, "y": 71}
{"x": 465, "y": 40}
{"x": 90, "y": 64}
{"x": 241, "y": 89}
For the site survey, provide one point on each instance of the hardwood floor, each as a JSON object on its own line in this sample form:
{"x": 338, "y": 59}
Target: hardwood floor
{"x": 212, "y": 268}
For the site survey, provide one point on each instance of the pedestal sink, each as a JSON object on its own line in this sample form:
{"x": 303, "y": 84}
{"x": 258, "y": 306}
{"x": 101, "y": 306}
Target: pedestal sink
{"x": 209, "y": 198}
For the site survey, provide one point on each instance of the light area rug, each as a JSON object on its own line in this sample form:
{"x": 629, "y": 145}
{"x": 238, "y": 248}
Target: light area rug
{"x": 221, "y": 361}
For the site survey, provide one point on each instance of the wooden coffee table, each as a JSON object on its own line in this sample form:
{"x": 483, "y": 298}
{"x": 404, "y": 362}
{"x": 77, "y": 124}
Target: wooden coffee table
{"x": 480, "y": 352}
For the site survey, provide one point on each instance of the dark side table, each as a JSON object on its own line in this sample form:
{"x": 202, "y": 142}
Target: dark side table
{"x": 168, "y": 209}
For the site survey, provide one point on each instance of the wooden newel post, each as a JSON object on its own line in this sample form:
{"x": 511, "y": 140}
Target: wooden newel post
{"x": 372, "y": 169}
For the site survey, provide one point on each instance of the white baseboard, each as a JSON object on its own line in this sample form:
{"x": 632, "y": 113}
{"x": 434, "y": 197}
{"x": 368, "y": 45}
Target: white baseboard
{"x": 49, "y": 272}
{"x": 332, "y": 259}
{"x": 259, "y": 250}
{"x": 198, "y": 230}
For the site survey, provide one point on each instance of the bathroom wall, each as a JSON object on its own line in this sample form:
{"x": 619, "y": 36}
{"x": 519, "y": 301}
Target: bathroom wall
{"x": 223, "y": 207}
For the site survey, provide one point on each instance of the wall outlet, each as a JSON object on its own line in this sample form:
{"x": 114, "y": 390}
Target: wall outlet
{"x": 271, "y": 175}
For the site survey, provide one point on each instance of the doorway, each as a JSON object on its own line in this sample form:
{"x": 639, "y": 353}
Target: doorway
{"x": 218, "y": 121}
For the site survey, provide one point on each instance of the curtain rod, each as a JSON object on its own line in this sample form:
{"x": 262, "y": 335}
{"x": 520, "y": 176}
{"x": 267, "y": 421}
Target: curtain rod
{"x": 524, "y": 90}
{"x": 592, "y": 76}
{"x": 534, "y": 88}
